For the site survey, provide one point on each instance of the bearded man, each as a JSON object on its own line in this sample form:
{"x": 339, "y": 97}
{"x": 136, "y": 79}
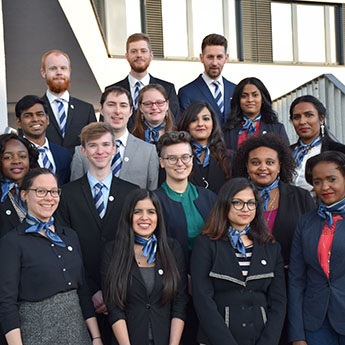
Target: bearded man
{"x": 67, "y": 115}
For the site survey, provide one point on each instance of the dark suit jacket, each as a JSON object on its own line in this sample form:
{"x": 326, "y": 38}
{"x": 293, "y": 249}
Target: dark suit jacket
{"x": 79, "y": 115}
{"x": 142, "y": 307}
{"x": 198, "y": 90}
{"x": 169, "y": 88}
{"x": 293, "y": 203}
{"x": 62, "y": 159}
{"x": 233, "y": 309}
{"x": 231, "y": 135}
{"x": 77, "y": 210}
{"x": 8, "y": 217}
{"x": 312, "y": 295}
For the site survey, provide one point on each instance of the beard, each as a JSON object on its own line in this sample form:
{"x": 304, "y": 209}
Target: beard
{"x": 140, "y": 68}
{"x": 58, "y": 86}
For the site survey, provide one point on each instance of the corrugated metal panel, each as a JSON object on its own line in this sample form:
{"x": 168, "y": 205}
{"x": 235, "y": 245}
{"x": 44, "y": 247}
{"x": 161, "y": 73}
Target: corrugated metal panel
{"x": 154, "y": 24}
{"x": 330, "y": 91}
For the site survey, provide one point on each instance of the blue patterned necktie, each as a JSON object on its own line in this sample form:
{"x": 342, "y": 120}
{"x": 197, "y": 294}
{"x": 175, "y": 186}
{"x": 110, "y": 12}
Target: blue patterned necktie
{"x": 218, "y": 96}
{"x": 45, "y": 160}
{"x": 152, "y": 133}
{"x": 249, "y": 125}
{"x": 198, "y": 149}
{"x": 235, "y": 238}
{"x": 99, "y": 200}
{"x": 136, "y": 94}
{"x": 116, "y": 163}
{"x": 265, "y": 192}
{"x": 36, "y": 225}
{"x": 150, "y": 247}
{"x": 301, "y": 150}
{"x": 62, "y": 116}
{"x": 325, "y": 211}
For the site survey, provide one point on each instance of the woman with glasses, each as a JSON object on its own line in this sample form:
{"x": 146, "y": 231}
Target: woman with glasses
{"x": 212, "y": 159}
{"x": 43, "y": 295}
{"x": 185, "y": 206}
{"x": 153, "y": 117}
{"x": 237, "y": 272}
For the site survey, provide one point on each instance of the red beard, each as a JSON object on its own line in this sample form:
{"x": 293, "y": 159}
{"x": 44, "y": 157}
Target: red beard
{"x": 58, "y": 86}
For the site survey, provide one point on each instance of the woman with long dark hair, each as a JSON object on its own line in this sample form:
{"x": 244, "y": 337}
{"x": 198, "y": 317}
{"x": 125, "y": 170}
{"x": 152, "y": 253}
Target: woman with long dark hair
{"x": 251, "y": 113}
{"x": 237, "y": 272}
{"x": 144, "y": 276}
{"x": 212, "y": 159}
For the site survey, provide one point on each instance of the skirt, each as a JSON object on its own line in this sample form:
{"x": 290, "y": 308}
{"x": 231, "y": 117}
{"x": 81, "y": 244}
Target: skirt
{"x": 56, "y": 320}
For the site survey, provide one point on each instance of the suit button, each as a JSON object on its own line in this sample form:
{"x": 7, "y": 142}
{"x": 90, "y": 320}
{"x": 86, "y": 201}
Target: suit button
{"x": 244, "y": 324}
{"x": 243, "y": 307}
{"x": 148, "y": 306}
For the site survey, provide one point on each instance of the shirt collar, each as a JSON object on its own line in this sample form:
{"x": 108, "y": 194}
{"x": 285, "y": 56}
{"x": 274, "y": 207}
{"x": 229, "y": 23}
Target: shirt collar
{"x": 209, "y": 80}
{"x": 52, "y": 98}
{"x": 124, "y": 138}
{"x": 93, "y": 180}
{"x": 45, "y": 144}
{"x": 145, "y": 81}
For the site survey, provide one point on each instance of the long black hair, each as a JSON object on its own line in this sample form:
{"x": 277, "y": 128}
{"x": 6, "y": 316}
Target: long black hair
{"x": 268, "y": 115}
{"x": 217, "y": 146}
{"x": 119, "y": 271}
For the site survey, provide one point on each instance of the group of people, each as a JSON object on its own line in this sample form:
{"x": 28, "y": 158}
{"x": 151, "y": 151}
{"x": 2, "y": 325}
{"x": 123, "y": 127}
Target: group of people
{"x": 172, "y": 220}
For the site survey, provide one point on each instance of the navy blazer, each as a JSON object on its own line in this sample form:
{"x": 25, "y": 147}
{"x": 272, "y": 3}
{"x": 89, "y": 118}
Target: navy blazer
{"x": 198, "y": 90}
{"x": 312, "y": 295}
{"x": 79, "y": 115}
{"x": 231, "y": 135}
{"x": 233, "y": 309}
{"x": 62, "y": 159}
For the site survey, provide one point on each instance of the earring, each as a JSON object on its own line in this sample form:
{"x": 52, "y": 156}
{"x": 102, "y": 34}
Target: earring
{"x": 166, "y": 115}
{"x": 322, "y": 127}
{"x": 142, "y": 117}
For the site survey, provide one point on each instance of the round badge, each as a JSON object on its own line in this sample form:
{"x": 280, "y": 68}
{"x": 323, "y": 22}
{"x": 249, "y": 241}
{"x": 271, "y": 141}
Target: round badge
{"x": 126, "y": 159}
{"x": 111, "y": 198}
{"x": 264, "y": 132}
{"x": 8, "y": 212}
{"x": 70, "y": 248}
{"x": 264, "y": 262}
{"x": 160, "y": 272}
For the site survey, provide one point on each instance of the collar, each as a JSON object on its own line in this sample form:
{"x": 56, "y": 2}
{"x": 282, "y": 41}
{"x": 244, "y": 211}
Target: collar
{"x": 51, "y": 98}
{"x": 93, "y": 180}
{"x": 124, "y": 138}
{"x": 45, "y": 145}
{"x": 145, "y": 81}
{"x": 209, "y": 80}
{"x": 59, "y": 229}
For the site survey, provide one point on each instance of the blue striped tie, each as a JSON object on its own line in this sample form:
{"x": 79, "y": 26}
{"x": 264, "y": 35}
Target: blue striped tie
{"x": 62, "y": 116}
{"x": 218, "y": 96}
{"x": 99, "y": 202}
{"x": 46, "y": 162}
{"x": 116, "y": 163}
{"x": 136, "y": 94}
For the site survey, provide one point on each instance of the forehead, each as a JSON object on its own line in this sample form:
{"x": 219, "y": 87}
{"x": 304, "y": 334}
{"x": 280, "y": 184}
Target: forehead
{"x": 106, "y": 137}
{"x": 145, "y": 203}
{"x": 57, "y": 59}
{"x": 152, "y": 94}
{"x": 263, "y": 152}
{"x": 38, "y": 107}
{"x": 304, "y": 107}
{"x": 138, "y": 45}
{"x": 214, "y": 50}
{"x": 250, "y": 88}
{"x": 44, "y": 179}
{"x": 177, "y": 149}
{"x": 14, "y": 145}
{"x": 324, "y": 169}
{"x": 203, "y": 111}
{"x": 117, "y": 98}
{"x": 245, "y": 194}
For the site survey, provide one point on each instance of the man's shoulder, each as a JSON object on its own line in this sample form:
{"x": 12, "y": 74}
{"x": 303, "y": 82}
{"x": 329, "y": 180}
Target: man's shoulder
{"x": 140, "y": 145}
{"x": 76, "y": 101}
{"x": 166, "y": 84}
{"x": 228, "y": 82}
{"x": 119, "y": 183}
{"x": 191, "y": 85}
{"x": 58, "y": 149}
{"x": 124, "y": 83}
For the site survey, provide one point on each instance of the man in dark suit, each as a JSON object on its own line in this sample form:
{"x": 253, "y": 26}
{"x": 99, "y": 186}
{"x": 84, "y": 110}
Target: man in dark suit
{"x": 68, "y": 115}
{"x": 32, "y": 119}
{"x": 210, "y": 86}
{"x": 139, "y": 55}
{"x": 92, "y": 206}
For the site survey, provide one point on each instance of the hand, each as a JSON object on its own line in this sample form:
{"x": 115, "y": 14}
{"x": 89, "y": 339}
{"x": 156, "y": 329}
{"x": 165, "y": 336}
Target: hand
{"x": 98, "y": 303}
{"x": 299, "y": 342}
{"x": 97, "y": 341}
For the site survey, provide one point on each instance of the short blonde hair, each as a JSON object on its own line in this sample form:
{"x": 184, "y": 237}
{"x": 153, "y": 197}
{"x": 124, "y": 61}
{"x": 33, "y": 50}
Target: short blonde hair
{"x": 95, "y": 130}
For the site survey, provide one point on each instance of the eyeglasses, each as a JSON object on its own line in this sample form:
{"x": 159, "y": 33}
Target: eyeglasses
{"x": 41, "y": 192}
{"x": 150, "y": 104}
{"x": 239, "y": 204}
{"x": 185, "y": 159}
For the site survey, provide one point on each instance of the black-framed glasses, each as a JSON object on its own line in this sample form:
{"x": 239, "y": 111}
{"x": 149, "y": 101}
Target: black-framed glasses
{"x": 185, "y": 159}
{"x": 239, "y": 204}
{"x": 42, "y": 192}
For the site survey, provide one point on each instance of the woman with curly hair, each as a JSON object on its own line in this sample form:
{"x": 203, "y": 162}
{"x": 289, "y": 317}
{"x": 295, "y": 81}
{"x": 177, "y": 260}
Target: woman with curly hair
{"x": 17, "y": 157}
{"x": 251, "y": 114}
{"x": 212, "y": 159}
{"x": 153, "y": 117}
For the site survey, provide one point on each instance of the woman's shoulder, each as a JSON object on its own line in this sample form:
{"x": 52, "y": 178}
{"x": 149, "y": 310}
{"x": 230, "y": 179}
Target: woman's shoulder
{"x": 206, "y": 193}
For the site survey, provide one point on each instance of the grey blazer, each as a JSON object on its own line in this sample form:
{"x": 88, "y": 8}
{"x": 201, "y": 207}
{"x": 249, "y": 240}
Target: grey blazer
{"x": 139, "y": 166}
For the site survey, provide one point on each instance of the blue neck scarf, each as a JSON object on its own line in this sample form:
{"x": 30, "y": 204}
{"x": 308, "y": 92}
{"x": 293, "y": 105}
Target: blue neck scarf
{"x": 265, "y": 191}
{"x": 235, "y": 238}
{"x": 152, "y": 133}
{"x": 301, "y": 150}
{"x": 198, "y": 149}
{"x": 150, "y": 246}
{"x": 249, "y": 125}
{"x": 36, "y": 225}
{"x": 325, "y": 211}
{"x": 6, "y": 187}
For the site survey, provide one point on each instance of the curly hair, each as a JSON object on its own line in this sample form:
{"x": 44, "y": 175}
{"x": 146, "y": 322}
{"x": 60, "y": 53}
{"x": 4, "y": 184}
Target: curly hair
{"x": 268, "y": 115}
{"x": 32, "y": 151}
{"x": 217, "y": 146}
{"x": 272, "y": 141}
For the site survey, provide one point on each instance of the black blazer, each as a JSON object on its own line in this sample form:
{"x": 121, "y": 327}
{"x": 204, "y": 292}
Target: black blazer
{"x": 77, "y": 210}
{"x": 79, "y": 115}
{"x": 327, "y": 144}
{"x": 231, "y": 135}
{"x": 62, "y": 159}
{"x": 169, "y": 88}
{"x": 233, "y": 309}
{"x": 142, "y": 308}
{"x": 8, "y": 217}
{"x": 293, "y": 203}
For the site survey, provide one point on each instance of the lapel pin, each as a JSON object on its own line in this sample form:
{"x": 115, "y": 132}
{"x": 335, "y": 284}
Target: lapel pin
{"x": 126, "y": 159}
{"x": 8, "y": 212}
{"x": 72, "y": 106}
{"x": 264, "y": 262}
{"x": 111, "y": 198}
{"x": 160, "y": 272}
{"x": 70, "y": 248}
{"x": 264, "y": 132}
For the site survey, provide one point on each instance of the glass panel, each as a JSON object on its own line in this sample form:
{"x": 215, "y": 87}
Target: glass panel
{"x": 232, "y": 39}
{"x": 333, "y": 51}
{"x": 281, "y": 32}
{"x": 133, "y": 16}
{"x": 175, "y": 28}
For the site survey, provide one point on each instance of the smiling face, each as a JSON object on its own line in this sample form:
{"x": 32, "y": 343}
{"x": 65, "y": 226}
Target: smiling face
{"x": 144, "y": 219}
{"x": 201, "y": 128}
{"x": 15, "y": 161}
{"x": 307, "y": 122}
{"x": 139, "y": 56}
{"x": 251, "y": 101}
{"x": 213, "y": 59}
{"x": 263, "y": 166}
{"x": 328, "y": 182}
{"x": 239, "y": 219}
{"x": 41, "y": 208}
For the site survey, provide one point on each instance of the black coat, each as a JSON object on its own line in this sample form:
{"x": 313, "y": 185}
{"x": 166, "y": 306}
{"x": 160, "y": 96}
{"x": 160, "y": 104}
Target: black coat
{"x": 142, "y": 308}
{"x": 234, "y": 310}
{"x": 8, "y": 217}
